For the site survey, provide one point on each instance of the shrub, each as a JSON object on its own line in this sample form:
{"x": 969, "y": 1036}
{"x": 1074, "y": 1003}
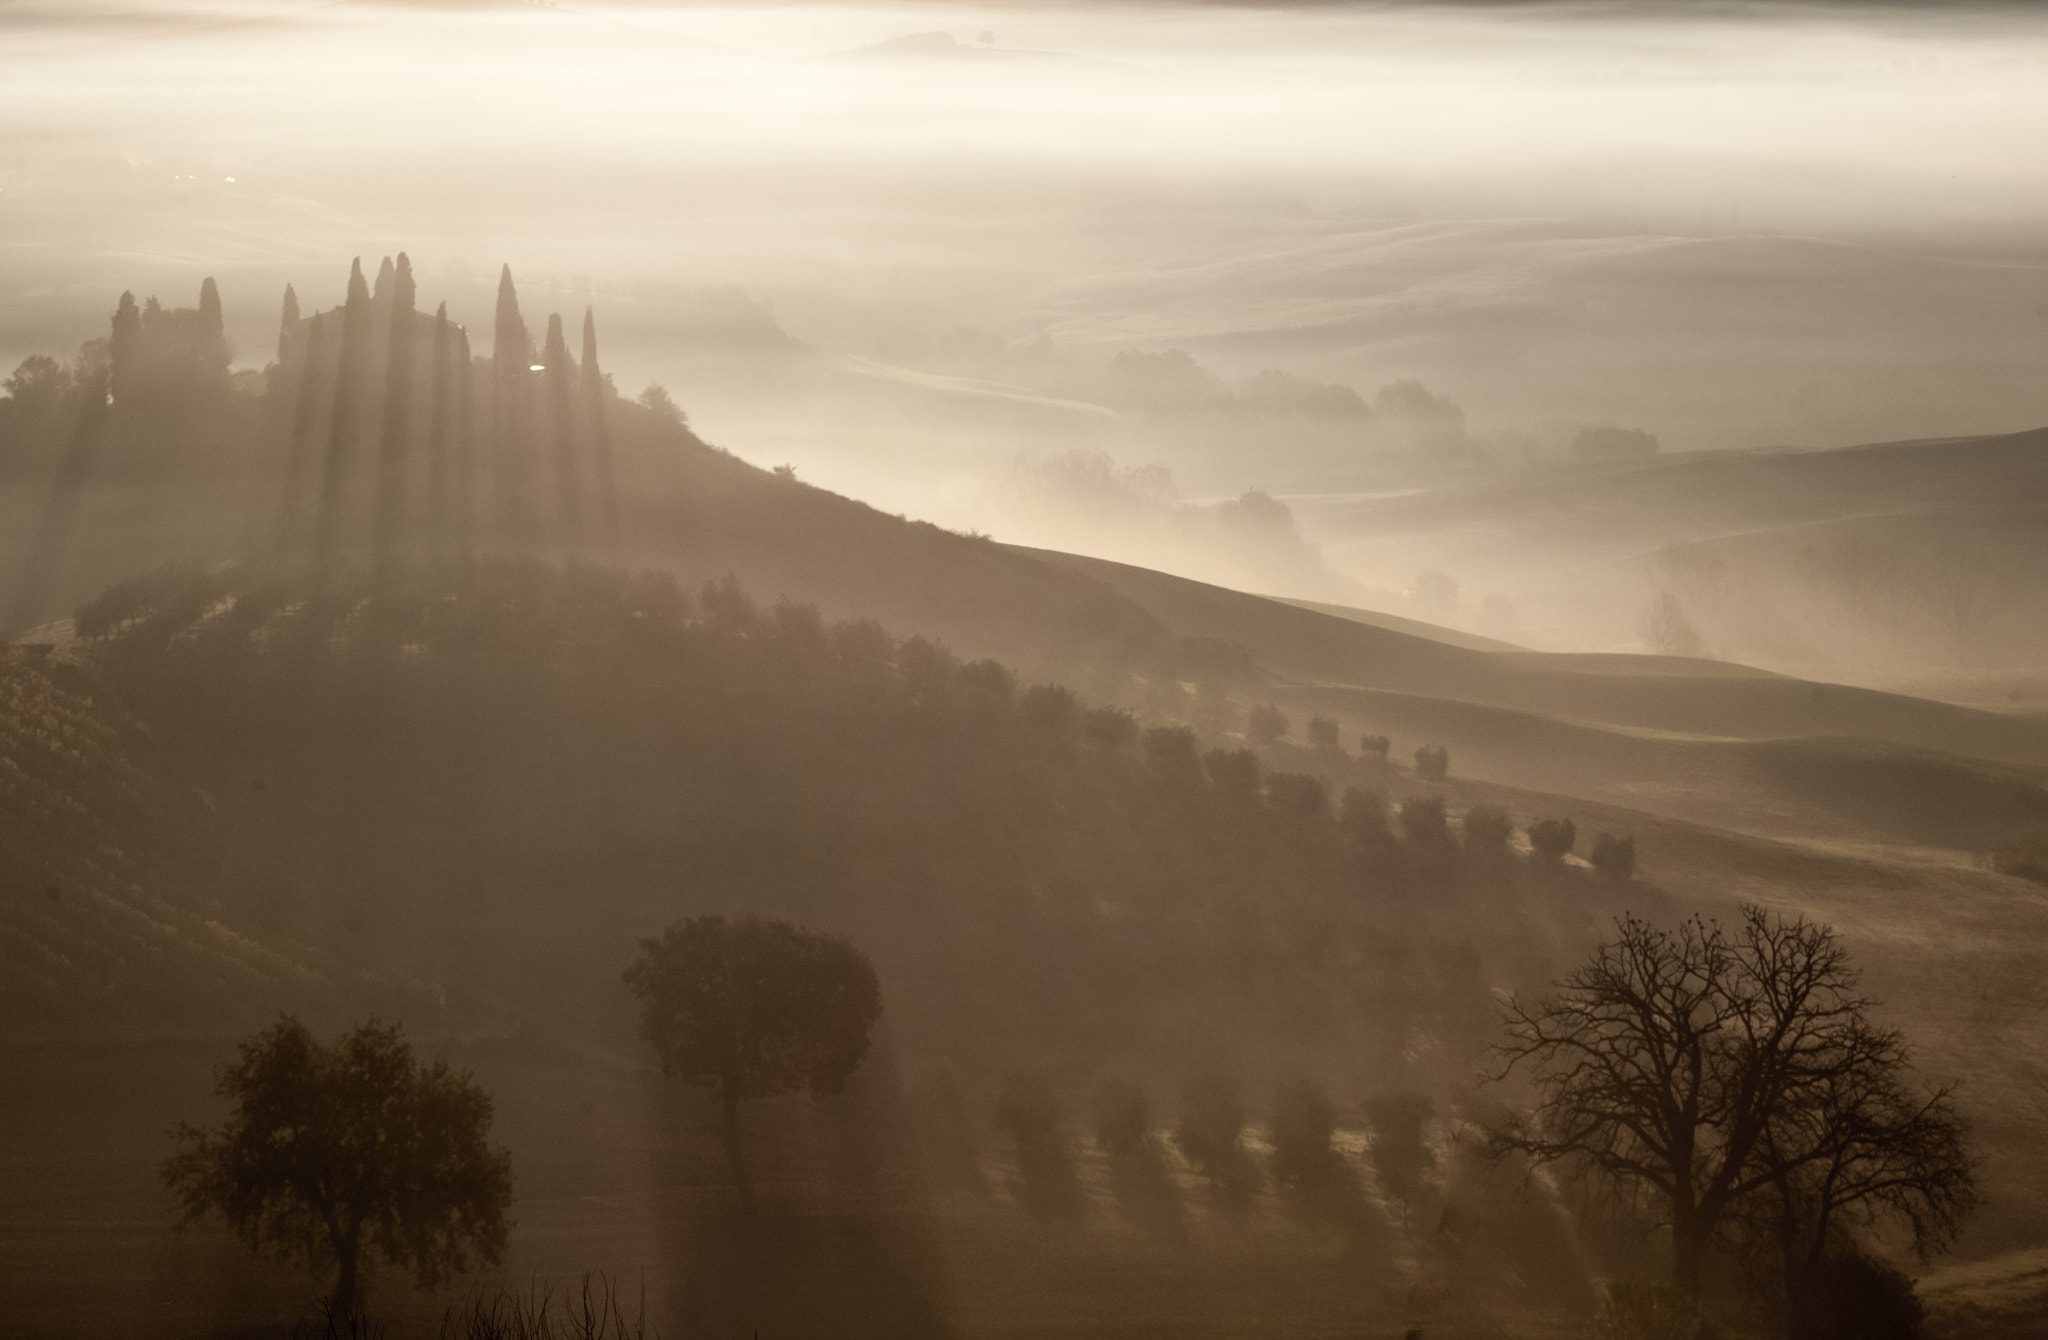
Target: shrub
{"x": 1234, "y": 770}
{"x": 1854, "y": 1297}
{"x": 1170, "y": 751}
{"x": 1432, "y": 763}
{"x": 1645, "y": 1312}
{"x": 1050, "y": 711}
{"x": 1553, "y": 839}
{"x": 592, "y": 1312}
{"x": 1267, "y": 725}
{"x": 1487, "y": 828}
{"x": 1109, "y": 728}
{"x": 1614, "y": 857}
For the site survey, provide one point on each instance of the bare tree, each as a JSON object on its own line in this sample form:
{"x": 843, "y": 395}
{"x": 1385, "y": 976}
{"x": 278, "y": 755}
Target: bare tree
{"x": 1696, "y": 1069}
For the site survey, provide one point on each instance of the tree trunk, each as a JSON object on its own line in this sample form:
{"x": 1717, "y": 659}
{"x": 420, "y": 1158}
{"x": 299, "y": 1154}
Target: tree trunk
{"x": 348, "y": 1294}
{"x": 729, "y": 1126}
{"x": 1687, "y": 1248}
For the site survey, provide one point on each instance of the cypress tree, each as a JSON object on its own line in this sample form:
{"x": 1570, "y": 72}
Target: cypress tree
{"x": 351, "y": 406}
{"x": 213, "y": 338}
{"x": 590, "y": 381}
{"x": 440, "y": 412}
{"x": 313, "y": 412}
{"x": 561, "y": 382}
{"x": 394, "y": 458}
{"x": 462, "y": 440}
{"x": 511, "y": 380}
{"x": 124, "y": 349}
{"x": 286, "y": 322}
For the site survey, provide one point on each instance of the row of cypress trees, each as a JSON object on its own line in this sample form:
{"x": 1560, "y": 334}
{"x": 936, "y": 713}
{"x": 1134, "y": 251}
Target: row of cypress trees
{"x": 400, "y": 441}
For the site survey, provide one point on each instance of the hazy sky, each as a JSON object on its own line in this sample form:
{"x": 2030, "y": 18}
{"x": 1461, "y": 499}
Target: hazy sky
{"x": 733, "y": 144}
{"x": 1731, "y": 225}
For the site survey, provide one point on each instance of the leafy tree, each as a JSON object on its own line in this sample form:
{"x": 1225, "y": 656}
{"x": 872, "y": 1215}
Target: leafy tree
{"x": 332, "y": 1152}
{"x": 657, "y": 401}
{"x": 1706, "y": 1072}
{"x": 1487, "y": 828}
{"x": 1235, "y": 771}
{"x": 1109, "y": 728}
{"x": 1210, "y": 1136}
{"x": 1432, "y": 763}
{"x": 1423, "y": 822}
{"x": 1553, "y": 839}
{"x": 1614, "y": 857}
{"x": 1308, "y": 1168}
{"x": 1323, "y": 735}
{"x": 753, "y": 1008}
{"x": 1049, "y": 711}
{"x": 1172, "y": 754}
{"x": 1267, "y": 725}
{"x": 1375, "y": 746}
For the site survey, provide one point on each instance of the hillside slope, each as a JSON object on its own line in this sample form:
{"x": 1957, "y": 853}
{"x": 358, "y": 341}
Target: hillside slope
{"x": 1704, "y": 698}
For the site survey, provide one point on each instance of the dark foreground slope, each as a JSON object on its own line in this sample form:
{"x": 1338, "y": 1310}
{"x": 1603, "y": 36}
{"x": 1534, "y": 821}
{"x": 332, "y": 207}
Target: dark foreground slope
{"x": 485, "y": 783}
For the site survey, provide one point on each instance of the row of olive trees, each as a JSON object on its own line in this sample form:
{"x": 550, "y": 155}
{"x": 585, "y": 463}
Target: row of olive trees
{"x": 1731, "y": 1081}
{"x": 1313, "y": 1178}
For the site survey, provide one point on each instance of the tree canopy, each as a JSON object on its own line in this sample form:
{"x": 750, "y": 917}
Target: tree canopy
{"x": 334, "y": 1149}
{"x": 754, "y": 1008}
{"x": 1727, "y": 1074}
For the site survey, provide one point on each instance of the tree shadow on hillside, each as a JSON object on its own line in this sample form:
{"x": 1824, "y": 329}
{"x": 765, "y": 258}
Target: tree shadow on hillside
{"x": 787, "y": 1273}
{"x": 844, "y": 1242}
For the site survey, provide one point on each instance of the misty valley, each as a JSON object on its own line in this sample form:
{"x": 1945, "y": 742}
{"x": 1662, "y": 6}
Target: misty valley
{"x": 1001, "y": 687}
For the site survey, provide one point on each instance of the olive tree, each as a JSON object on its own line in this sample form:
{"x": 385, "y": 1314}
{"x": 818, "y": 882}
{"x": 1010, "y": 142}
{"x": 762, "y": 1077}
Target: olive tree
{"x": 1709, "y": 1072}
{"x": 332, "y": 1152}
{"x": 752, "y": 1008}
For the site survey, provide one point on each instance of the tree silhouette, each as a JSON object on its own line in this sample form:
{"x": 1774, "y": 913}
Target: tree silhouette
{"x": 1553, "y": 839}
{"x": 1323, "y": 736}
{"x": 1432, "y": 763}
{"x": 333, "y": 1152}
{"x": 394, "y": 455}
{"x": 1487, "y": 828}
{"x": 754, "y": 1009}
{"x": 1267, "y": 725}
{"x": 1614, "y": 857}
{"x": 1710, "y": 1072}
{"x": 1375, "y": 746}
